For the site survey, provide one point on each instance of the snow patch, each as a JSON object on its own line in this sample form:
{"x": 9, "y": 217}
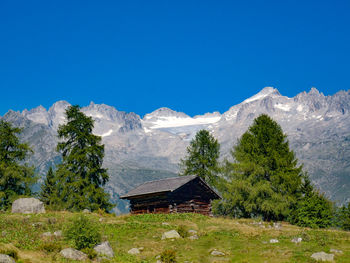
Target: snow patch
{"x": 95, "y": 115}
{"x": 106, "y": 133}
{"x": 299, "y": 108}
{"x": 282, "y": 107}
{"x": 168, "y": 122}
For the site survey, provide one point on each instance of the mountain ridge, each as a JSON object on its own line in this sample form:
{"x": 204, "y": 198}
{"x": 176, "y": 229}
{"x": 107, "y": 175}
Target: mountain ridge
{"x": 318, "y": 128}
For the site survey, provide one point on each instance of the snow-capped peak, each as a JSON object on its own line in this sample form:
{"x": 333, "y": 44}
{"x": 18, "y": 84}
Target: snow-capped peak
{"x": 267, "y": 91}
{"x": 164, "y": 112}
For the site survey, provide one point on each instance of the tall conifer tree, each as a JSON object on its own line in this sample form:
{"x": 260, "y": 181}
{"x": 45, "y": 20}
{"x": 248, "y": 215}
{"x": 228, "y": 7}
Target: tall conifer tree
{"x": 80, "y": 175}
{"x": 16, "y": 179}
{"x": 264, "y": 180}
{"x": 50, "y": 190}
{"x": 202, "y": 157}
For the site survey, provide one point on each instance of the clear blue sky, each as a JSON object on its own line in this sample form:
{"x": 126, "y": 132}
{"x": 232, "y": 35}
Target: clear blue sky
{"x": 192, "y": 56}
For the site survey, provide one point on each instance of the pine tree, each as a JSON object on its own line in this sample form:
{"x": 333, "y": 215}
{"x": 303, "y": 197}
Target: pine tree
{"x": 80, "y": 175}
{"x": 16, "y": 179}
{"x": 343, "y": 217}
{"x": 312, "y": 209}
{"x": 264, "y": 180}
{"x": 202, "y": 157}
{"x": 49, "y": 190}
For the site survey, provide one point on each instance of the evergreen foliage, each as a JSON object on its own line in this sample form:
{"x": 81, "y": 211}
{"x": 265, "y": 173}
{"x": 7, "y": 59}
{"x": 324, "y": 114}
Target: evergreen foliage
{"x": 264, "y": 180}
{"x": 16, "y": 179}
{"x": 343, "y": 217}
{"x": 49, "y": 190}
{"x": 80, "y": 175}
{"x": 202, "y": 157}
{"x": 312, "y": 209}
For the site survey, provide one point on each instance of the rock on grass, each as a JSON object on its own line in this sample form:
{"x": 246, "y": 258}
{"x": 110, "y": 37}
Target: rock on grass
{"x": 322, "y": 256}
{"x": 28, "y": 206}
{"x": 71, "y": 253}
{"x": 6, "y": 259}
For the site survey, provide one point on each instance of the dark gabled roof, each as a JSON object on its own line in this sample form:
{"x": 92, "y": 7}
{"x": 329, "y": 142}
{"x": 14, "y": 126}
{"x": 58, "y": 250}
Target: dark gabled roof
{"x": 159, "y": 186}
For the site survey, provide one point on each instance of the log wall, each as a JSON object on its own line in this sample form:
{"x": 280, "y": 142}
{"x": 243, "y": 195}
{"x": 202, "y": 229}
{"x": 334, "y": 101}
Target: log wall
{"x": 194, "y": 197}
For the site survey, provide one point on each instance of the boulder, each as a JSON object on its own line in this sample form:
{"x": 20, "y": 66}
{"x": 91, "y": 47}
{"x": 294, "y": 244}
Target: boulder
{"x": 322, "y": 256}
{"x": 170, "y": 234}
{"x": 6, "y": 259}
{"x": 217, "y": 253}
{"x": 297, "y": 240}
{"x": 86, "y": 211}
{"x": 273, "y": 241}
{"x": 58, "y": 233}
{"x": 134, "y": 251}
{"x": 336, "y": 251}
{"x": 104, "y": 249}
{"x": 194, "y": 237}
{"x": 71, "y": 253}
{"x": 28, "y": 206}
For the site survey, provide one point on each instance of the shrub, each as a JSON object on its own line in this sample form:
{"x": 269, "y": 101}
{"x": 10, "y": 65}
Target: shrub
{"x": 83, "y": 232}
{"x": 90, "y": 252}
{"x": 168, "y": 256}
{"x": 51, "y": 247}
{"x": 183, "y": 231}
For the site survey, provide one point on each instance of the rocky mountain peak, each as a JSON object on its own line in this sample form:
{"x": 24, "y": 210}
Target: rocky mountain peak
{"x": 38, "y": 115}
{"x": 164, "y": 112}
{"x": 265, "y": 92}
{"x": 314, "y": 91}
{"x": 56, "y": 114}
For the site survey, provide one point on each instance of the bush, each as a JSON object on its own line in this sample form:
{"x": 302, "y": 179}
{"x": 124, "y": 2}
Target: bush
{"x": 183, "y": 231}
{"x": 51, "y": 247}
{"x": 90, "y": 252}
{"x": 168, "y": 256}
{"x": 83, "y": 232}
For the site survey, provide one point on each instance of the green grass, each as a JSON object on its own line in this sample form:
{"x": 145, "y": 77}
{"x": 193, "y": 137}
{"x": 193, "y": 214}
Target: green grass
{"x": 240, "y": 240}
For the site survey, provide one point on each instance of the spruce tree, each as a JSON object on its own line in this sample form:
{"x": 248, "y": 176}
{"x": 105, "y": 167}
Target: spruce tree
{"x": 202, "y": 157}
{"x": 343, "y": 217}
{"x": 50, "y": 190}
{"x": 16, "y": 178}
{"x": 312, "y": 209}
{"x": 264, "y": 180}
{"x": 80, "y": 175}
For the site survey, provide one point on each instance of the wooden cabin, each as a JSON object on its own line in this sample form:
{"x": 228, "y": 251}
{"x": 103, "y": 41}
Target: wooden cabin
{"x": 185, "y": 194}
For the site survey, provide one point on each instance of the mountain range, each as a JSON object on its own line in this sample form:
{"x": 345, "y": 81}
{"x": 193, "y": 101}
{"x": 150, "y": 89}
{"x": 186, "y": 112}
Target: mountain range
{"x": 141, "y": 149}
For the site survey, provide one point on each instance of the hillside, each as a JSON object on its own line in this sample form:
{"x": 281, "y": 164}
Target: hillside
{"x": 140, "y": 149}
{"x": 239, "y": 240}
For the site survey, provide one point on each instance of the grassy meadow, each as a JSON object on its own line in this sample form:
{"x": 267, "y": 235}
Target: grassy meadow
{"x": 240, "y": 240}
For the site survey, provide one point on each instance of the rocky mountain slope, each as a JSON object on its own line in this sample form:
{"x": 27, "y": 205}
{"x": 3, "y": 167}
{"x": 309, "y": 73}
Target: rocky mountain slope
{"x": 140, "y": 149}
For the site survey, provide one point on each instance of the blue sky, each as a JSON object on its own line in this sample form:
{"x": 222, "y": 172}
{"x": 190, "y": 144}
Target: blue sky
{"x": 191, "y": 56}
